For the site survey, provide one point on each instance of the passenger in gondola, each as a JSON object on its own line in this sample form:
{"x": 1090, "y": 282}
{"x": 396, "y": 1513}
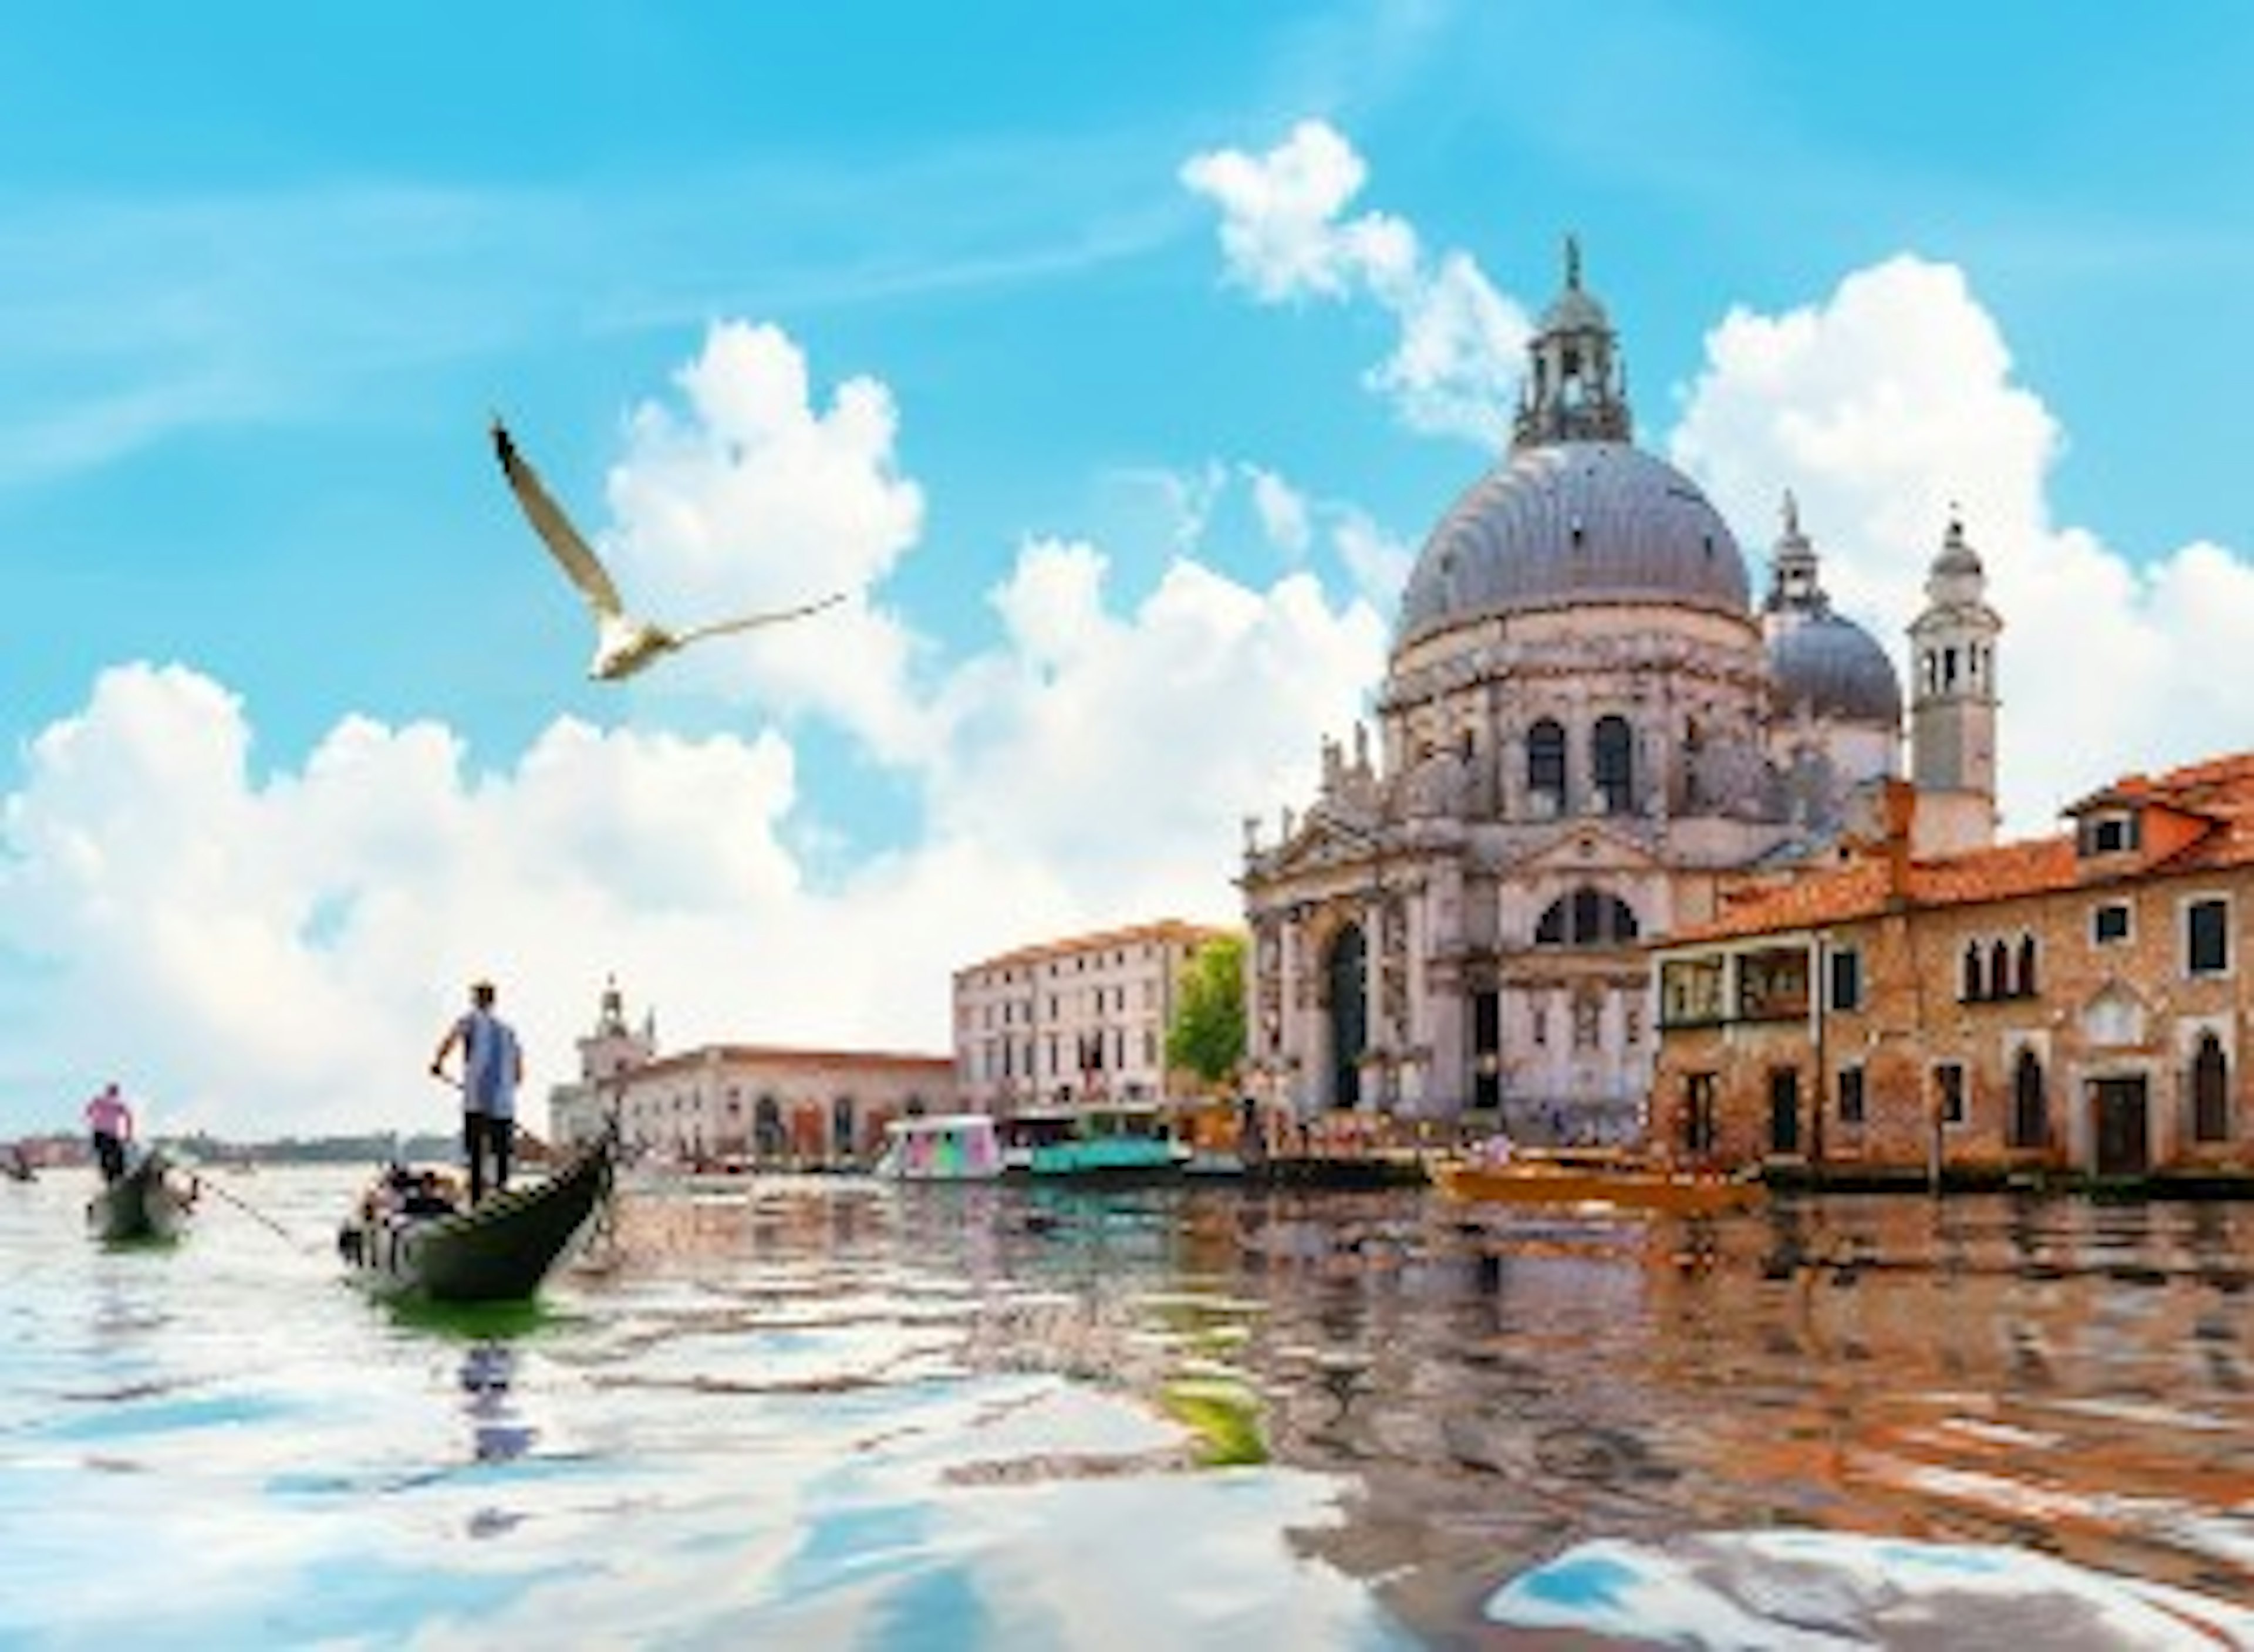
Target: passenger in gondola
{"x": 425, "y": 1196}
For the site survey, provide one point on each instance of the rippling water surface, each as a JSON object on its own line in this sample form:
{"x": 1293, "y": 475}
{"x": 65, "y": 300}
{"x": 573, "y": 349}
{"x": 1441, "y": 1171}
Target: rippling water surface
{"x": 821, "y": 1412}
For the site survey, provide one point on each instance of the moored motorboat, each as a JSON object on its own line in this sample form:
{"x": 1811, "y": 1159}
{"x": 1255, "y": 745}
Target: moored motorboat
{"x": 400, "y": 1242}
{"x": 1128, "y": 1142}
{"x": 940, "y": 1147}
{"x": 145, "y": 1203}
{"x": 1594, "y": 1176}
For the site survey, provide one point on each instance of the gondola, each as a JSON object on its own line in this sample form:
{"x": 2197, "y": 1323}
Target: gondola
{"x": 143, "y": 1204}
{"x": 498, "y": 1252}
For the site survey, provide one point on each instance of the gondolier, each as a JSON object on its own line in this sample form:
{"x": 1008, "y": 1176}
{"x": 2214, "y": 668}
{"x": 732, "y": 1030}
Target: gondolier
{"x": 492, "y": 1066}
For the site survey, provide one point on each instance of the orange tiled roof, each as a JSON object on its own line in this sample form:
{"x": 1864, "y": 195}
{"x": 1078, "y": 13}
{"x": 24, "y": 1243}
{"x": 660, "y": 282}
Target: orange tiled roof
{"x": 2219, "y": 792}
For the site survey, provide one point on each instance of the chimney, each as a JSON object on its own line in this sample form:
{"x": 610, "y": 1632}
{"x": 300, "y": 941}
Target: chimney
{"x": 1897, "y": 811}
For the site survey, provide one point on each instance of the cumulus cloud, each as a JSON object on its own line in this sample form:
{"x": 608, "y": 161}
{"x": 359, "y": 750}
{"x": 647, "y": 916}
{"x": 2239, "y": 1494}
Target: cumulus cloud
{"x": 285, "y": 945}
{"x": 1285, "y": 237}
{"x": 1891, "y": 405}
{"x": 751, "y": 494}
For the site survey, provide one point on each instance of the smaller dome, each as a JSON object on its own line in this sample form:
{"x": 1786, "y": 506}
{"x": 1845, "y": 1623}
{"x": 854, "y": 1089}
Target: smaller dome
{"x": 1957, "y": 556}
{"x": 1573, "y": 310}
{"x": 1835, "y": 667}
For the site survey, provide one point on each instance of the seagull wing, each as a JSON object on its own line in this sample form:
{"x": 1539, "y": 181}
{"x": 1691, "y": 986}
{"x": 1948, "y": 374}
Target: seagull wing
{"x": 554, "y": 528}
{"x": 745, "y": 622}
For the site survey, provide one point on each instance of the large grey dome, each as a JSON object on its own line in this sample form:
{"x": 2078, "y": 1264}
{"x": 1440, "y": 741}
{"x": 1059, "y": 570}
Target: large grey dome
{"x": 1833, "y": 665}
{"x": 1574, "y": 523}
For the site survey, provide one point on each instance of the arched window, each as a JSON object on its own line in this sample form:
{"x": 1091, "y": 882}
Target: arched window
{"x": 1588, "y": 917}
{"x": 2210, "y": 1092}
{"x": 2029, "y": 985}
{"x": 1546, "y": 761}
{"x": 767, "y": 1134}
{"x": 1999, "y": 970}
{"x": 2030, "y": 1106}
{"x": 1612, "y": 764}
{"x": 1968, "y": 988}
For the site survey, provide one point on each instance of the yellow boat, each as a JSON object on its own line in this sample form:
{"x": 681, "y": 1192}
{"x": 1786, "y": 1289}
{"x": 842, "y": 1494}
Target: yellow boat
{"x": 1594, "y": 1176}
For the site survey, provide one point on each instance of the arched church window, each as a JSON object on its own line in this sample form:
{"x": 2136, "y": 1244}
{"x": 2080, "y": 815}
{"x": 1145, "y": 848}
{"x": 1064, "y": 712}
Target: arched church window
{"x": 1546, "y": 761}
{"x": 2030, "y": 1105}
{"x": 1588, "y": 917}
{"x": 1969, "y": 990}
{"x": 2210, "y": 1092}
{"x": 1613, "y": 764}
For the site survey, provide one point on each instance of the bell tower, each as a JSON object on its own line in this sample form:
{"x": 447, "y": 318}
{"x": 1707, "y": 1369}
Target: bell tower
{"x": 1953, "y": 705}
{"x": 1575, "y": 390}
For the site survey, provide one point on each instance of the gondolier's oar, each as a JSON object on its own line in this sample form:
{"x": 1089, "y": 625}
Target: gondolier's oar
{"x": 202, "y": 1184}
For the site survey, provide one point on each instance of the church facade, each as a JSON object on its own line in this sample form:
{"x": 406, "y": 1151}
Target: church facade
{"x": 1587, "y": 730}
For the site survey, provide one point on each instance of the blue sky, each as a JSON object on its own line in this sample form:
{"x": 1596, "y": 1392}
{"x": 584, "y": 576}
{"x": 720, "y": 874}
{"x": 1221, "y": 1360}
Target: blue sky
{"x": 1117, "y": 359}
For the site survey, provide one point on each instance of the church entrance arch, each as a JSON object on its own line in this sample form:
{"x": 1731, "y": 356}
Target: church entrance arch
{"x": 1346, "y": 975}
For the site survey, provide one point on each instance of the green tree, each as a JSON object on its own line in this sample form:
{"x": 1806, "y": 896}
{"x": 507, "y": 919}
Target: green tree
{"x": 1207, "y": 1037}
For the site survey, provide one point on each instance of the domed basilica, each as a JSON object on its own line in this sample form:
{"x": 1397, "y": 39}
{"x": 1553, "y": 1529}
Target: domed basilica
{"x": 1586, "y": 734}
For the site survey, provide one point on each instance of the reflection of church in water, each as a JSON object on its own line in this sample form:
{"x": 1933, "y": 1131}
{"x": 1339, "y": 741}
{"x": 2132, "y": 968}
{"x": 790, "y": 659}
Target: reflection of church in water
{"x": 1585, "y": 733}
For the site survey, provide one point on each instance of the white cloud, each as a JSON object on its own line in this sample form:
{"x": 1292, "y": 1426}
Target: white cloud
{"x": 1892, "y": 404}
{"x": 1285, "y": 237}
{"x": 1282, "y": 510}
{"x": 276, "y": 953}
{"x": 754, "y": 496}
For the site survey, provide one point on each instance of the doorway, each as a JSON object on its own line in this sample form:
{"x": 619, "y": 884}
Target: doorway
{"x": 2123, "y": 1130}
{"x": 1784, "y": 1109}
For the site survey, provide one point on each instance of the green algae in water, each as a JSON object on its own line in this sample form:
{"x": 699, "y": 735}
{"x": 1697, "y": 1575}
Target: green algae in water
{"x": 1225, "y": 1419}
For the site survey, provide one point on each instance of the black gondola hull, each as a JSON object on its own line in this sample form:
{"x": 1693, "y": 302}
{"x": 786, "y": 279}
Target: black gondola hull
{"x": 500, "y": 1252}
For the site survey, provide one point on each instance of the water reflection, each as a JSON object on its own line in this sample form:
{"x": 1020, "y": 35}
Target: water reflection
{"x": 1499, "y": 1386}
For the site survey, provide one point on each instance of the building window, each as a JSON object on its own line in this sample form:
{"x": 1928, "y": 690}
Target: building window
{"x": 1969, "y": 987}
{"x": 2029, "y": 983}
{"x": 2107, "y": 835}
{"x": 2210, "y": 1092}
{"x": 1691, "y": 991}
{"x": 1587, "y": 918}
{"x": 2109, "y": 924}
{"x": 1698, "y": 1128}
{"x": 1846, "y": 980}
{"x": 1949, "y": 1091}
{"x": 1613, "y": 765}
{"x": 2030, "y": 1104}
{"x": 1773, "y": 984}
{"x": 2207, "y": 937}
{"x": 1545, "y": 762}
{"x": 1850, "y": 1094}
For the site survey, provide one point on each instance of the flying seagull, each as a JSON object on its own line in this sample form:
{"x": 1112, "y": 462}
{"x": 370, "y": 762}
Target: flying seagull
{"x": 623, "y": 644}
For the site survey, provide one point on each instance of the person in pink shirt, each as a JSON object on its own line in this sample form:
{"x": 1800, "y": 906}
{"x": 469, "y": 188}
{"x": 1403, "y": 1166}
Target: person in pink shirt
{"x": 111, "y": 1123}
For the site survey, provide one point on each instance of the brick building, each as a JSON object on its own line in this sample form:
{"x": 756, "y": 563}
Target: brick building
{"x": 2072, "y": 1002}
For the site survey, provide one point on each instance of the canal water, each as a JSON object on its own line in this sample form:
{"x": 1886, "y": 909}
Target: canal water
{"x": 821, "y": 1412}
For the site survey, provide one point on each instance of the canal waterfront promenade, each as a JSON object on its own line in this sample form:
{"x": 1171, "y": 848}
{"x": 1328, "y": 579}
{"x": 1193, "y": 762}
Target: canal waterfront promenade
{"x": 816, "y": 1411}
